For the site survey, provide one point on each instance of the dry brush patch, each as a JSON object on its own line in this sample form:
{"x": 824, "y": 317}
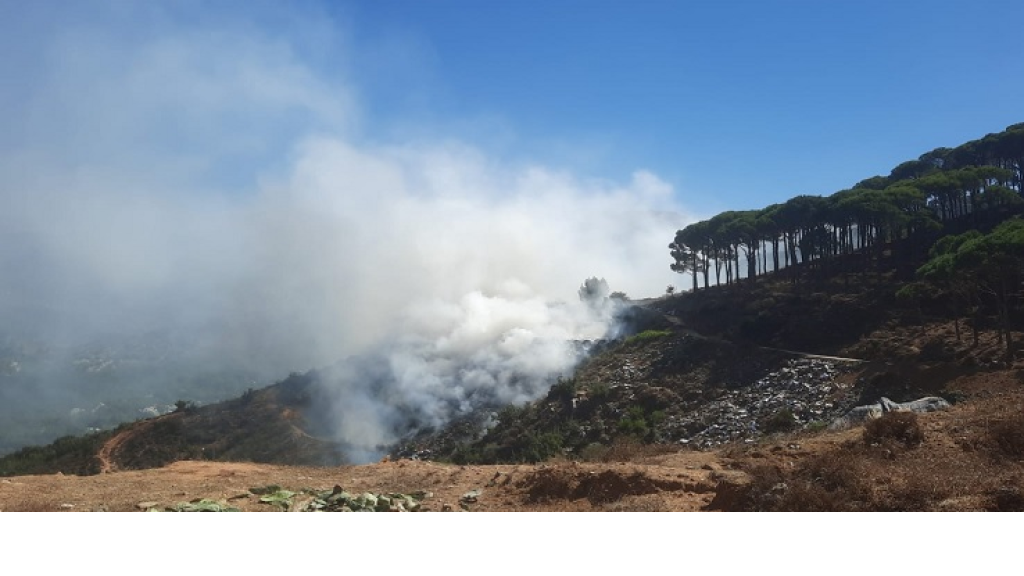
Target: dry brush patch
{"x": 597, "y": 487}
{"x": 625, "y": 450}
{"x": 899, "y": 428}
{"x": 969, "y": 460}
{"x": 641, "y": 503}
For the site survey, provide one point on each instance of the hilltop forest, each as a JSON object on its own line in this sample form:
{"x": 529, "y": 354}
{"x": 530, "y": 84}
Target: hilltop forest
{"x": 947, "y": 222}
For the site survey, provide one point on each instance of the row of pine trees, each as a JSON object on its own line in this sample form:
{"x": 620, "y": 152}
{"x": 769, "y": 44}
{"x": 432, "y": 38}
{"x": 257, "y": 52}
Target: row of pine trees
{"x": 974, "y": 186}
{"x": 949, "y": 221}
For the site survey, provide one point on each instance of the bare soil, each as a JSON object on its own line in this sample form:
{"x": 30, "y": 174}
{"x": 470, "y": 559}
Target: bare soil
{"x": 679, "y": 482}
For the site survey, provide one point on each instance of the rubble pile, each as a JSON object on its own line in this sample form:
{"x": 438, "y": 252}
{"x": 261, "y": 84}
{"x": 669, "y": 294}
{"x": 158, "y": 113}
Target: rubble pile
{"x": 806, "y": 388}
{"x": 339, "y": 500}
{"x": 307, "y": 500}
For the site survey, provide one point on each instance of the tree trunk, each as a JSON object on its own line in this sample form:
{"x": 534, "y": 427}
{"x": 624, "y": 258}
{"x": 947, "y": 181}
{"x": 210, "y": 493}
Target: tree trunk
{"x": 706, "y": 270}
{"x": 1004, "y": 319}
{"x": 974, "y": 326}
{"x": 693, "y": 269}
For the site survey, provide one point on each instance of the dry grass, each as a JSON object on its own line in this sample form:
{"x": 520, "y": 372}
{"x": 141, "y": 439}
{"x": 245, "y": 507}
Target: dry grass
{"x": 969, "y": 459}
{"x": 33, "y": 506}
{"x": 599, "y": 488}
{"x": 626, "y": 450}
{"x": 1006, "y": 437}
{"x": 894, "y": 427}
{"x": 643, "y": 503}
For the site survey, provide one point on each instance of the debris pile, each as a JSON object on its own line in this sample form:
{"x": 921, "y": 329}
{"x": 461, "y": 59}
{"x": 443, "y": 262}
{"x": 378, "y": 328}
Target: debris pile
{"x": 805, "y": 391}
{"x": 307, "y": 500}
{"x": 339, "y": 500}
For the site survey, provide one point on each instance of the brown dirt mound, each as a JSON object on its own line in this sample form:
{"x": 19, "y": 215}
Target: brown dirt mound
{"x": 603, "y": 487}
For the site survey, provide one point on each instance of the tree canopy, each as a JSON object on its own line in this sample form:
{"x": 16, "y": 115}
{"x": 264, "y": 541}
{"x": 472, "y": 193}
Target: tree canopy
{"x": 888, "y": 221}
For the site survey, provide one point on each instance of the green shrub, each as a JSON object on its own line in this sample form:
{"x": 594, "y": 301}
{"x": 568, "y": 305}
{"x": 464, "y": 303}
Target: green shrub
{"x": 657, "y": 417}
{"x": 647, "y": 336}
{"x": 781, "y": 421}
{"x": 511, "y": 414}
{"x": 599, "y": 391}
{"x": 634, "y": 423}
{"x": 540, "y": 447}
{"x": 564, "y": 390}
{"x": 593, "y": 452}
{"x": 817, "y": 426}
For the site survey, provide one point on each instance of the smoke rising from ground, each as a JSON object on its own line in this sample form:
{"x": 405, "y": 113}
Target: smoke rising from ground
{"x": 213, "y": 182}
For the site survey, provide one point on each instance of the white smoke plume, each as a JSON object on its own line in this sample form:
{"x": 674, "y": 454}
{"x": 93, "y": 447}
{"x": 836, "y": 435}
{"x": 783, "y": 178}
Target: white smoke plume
{"x": 216, "y": 182}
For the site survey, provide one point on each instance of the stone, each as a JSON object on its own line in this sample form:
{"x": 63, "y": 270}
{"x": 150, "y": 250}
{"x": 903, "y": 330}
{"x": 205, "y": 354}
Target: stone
{"x": 872, "y": 411}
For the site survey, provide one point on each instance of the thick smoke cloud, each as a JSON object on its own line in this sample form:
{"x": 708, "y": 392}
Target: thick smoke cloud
{"x": 215, "y": 182}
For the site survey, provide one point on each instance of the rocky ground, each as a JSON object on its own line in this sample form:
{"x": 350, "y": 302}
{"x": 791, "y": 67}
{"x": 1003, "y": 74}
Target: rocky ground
{"x": 806, "y": 392}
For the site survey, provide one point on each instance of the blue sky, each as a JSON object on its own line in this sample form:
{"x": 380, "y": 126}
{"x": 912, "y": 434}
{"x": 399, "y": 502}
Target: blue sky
{"x": 737, "y": 104}
{"x": 516, "y": 143}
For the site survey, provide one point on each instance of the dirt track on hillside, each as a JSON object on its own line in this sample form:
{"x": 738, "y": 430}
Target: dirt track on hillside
{"x": 107, "y": 454}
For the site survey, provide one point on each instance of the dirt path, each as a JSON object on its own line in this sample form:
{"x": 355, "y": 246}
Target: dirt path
{"x": 299, "y": 432}
{"x": 108, "y": 452}
{"x": 677, "y": 322}
{"x": 818, "y": 356}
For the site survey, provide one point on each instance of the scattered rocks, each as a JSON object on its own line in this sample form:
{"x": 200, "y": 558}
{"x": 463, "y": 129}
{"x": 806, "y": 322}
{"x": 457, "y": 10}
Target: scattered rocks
{"x": 872, "y": 411}
{"x": 201, "y": 505}
{"x": 338, "y": 500}
{"x": 806, "y": 388}
{"x": 469, "y": 498}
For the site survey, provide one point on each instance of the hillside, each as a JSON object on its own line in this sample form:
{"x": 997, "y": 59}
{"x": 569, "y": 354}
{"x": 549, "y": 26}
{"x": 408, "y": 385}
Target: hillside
{"x": 783, "y": 387}
{"x": 661, "y": 422}
{"x": 969, "y": 459}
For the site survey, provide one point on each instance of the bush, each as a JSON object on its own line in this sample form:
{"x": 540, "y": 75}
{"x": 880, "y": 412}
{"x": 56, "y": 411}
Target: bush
{"x": 533, "y": 448}
{"x": 634, "y": 423}
{"x": 1007, "y": 438}
{"x": 593, "y": 452}
{"x": 781, "y": 421}
{"x": 901, "y": 427}
{"x": 817, "y": 426}
{"x": 647, "y": 336}
{"x": 627, "y": 449}
{"x": 599, "y": 391}
{"x": 249, "y": 395}
{"x": 1007, "y": 499}
{"x": 512, "y": 414}
{"x": 657, "y": 417}
{"x": 564, "y": 390}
